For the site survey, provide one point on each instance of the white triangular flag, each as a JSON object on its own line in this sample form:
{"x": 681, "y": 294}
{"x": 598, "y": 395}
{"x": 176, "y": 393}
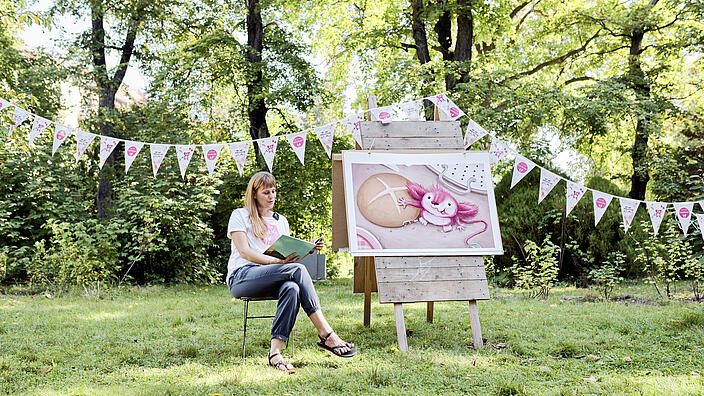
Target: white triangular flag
{"x": 701, "y": 204}
{"x": 352, "y": 124}
{"x": 298, "y": 144}
{"x": 107, "y": 145}
{"x": 18, "y": 117}
{"x": 497, "y": 151}
{"x": 521, "y": 167}
{"x": 83, "y": 140}
{"x": 412, "y": 109}
{"x": 158, "y": 152}
{"x": 184, "y": 153}
{"x": 575, "y": 192}
{"x": 548, "y": 181}
{"x": 38, "y": 126}
{"x": 473, "y": 133}
{"x": 657, "y": 213}
{"x": 267, "y": 147}
{"x": 4, "y": 104}
{"x": 683, "y": 211}
{"x": 383, "y": 114}
{"x": 131, "y": 151}
{"x": 700, "y": 220}
{"x": 239, "y": 152}
{"x": 61, "y": 132}
{"x": 447, "y": 106}
{"x": 601, "y": 202}
{"x": 325, "y": 135}
{"x": 628, "y": 211}
{"x": 211, "y": 152}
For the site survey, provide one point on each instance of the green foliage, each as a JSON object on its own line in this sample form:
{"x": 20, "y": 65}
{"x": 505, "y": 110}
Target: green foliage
{"x": 84, "y": 253}
{"x": 669, "y": 256}
{"x": 537, "y": 270}
{"x": 607, "y": 275}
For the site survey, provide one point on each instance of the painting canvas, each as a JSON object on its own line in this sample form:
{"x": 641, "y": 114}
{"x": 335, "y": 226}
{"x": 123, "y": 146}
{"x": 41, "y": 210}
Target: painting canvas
{"x": 420, "y": 204}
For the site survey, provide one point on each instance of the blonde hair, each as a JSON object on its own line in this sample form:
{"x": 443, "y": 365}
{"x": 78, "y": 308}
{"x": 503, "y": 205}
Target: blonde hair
{"x": 257, "y": 182}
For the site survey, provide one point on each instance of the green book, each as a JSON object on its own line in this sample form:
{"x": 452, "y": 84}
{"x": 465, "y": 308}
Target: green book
{"x": 285, "y": 245}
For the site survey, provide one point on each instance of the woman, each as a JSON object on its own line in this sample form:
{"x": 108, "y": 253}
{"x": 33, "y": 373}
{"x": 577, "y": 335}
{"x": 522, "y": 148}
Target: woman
{"x": 250, "y": 273}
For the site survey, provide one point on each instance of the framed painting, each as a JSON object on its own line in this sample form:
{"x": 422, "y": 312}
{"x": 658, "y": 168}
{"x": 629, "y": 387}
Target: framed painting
{"x": 420, "y": 204}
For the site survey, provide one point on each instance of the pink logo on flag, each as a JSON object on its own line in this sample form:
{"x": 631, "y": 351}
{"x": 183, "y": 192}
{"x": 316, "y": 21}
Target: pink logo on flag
{"x": 684, "y": 213}
{"x": 132, "y": 151}
{"x": 440, "y": 98}
{"x": 61, "y": 135}
{"x": 454, "y": 112}
{"x": 384, "y": 115}
{"x": 269, "y": 148}
{"x": 522, "y": 167}
{"x": 658, "y": 213}
{"x": 212, "y": 154}
{"x": 186, "y": 155}
{"x": 601, "y": 203}
{"x": 298, "y": 141}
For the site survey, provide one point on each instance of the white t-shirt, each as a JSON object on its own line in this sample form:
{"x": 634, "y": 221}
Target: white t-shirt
{"x": 239, "y": 221}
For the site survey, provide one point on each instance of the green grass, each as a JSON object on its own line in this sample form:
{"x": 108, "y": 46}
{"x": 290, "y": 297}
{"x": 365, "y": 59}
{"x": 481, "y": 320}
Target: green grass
{"x": 187, "y": 340}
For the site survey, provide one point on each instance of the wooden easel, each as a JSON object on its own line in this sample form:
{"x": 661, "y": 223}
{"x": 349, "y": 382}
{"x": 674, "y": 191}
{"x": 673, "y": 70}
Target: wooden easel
{"x": 462, "y": 278}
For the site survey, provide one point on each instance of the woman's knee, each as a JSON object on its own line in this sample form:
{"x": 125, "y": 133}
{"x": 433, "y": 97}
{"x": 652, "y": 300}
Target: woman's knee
{"x": 289, "y": 288}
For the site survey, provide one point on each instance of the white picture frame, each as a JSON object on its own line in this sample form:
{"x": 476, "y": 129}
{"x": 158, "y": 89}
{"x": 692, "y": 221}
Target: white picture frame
{"x": 374, "y": 180}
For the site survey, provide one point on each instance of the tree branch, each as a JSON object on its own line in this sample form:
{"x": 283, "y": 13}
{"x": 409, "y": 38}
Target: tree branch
{"x": 578, "y": 79}
{"x": 555, "y": 61}
{"x": 127, "y": 50}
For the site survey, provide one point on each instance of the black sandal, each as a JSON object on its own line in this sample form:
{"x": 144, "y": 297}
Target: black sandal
{"x": 336, "y": 349}
{"x": 282, "y": 362}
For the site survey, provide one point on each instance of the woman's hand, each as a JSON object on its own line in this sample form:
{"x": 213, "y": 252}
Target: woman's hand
{"x": 319, "y": 244}
{"x": 292, "y": 258}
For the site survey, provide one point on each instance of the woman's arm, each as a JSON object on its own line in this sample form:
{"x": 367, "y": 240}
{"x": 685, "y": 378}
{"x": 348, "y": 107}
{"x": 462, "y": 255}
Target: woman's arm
{"x": 249, "y": 254}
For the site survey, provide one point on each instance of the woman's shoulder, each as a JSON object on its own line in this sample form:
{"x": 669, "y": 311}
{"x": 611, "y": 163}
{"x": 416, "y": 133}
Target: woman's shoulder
{"x": 242, "y": 213}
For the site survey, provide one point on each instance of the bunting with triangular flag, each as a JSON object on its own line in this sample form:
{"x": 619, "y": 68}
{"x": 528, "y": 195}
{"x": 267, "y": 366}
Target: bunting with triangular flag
{"x": 131, "y": 150}
{"x": 18, "y": 117}
{"x": 601, "y": 202}
{"x": 352, "y": 124}
{"x": 267, "y": 147}
{"x": 657, "y": 213}
{"x": 61, "y": 132}
{"x": 38, "y": 126}
{"x": 383, "y": 114}
{"x": 211, "y": 152}
{"x": 298, "y": 145}
{"x": 158, "y": 152}
{"x": 575, "y": 192}
{"x": 473, "y": 133}
{"x": 521, "y": 167}
{"x": 83, "y": 140}
{"x": 239, "y": 152}
{"x": 325, "y": 135}
{"x": 628, "y": 211}
{"x": 412, "y": 109}
{"x": 107, "y": 145}
{"x": 184, "y": 154}
{"x": 683, "y": 211}
{"x": 497, "y": 151}
{"x": 548, "y": 181}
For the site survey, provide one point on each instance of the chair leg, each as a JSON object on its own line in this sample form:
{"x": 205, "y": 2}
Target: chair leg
{"x": 244, "y": 328}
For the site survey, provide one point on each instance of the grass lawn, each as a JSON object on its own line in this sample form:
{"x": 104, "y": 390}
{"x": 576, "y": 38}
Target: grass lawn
{"x": 187, "y": 340}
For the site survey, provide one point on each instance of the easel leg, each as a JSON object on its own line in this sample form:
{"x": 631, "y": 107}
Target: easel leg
{"x": 476, "y": 327}
{"x": 400, "y": 327}
{"x": 429, "y": 312}
{"x": 367, "y": 291}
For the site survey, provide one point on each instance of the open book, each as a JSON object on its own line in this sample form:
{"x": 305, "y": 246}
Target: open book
{"x": 285, "y": 245}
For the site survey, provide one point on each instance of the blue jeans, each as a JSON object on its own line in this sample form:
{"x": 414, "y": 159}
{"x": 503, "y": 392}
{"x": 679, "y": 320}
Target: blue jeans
{"x": 291, "y": 283}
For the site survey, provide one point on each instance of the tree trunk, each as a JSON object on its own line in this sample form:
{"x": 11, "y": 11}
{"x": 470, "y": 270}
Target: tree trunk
{"x": 443, "y": 28}
{"x": 255, "y": 91}
{"x": 464, "y": 42}
{"x": 107, "y": 89}
{"x": 420, "y": 38}
{"x": 641, "y": 87}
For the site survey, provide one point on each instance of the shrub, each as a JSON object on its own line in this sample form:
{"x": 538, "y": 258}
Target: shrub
{"x": 606, "y": 276}
{"x": 536, "y": 270}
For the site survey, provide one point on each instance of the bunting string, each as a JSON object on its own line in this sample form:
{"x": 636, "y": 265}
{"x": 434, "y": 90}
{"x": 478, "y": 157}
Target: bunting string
{"x": 410, "y": 110}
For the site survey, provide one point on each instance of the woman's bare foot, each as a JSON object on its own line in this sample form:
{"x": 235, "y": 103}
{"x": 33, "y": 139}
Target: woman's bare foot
{"x": 332, "y": 340}
{"x": 277, "y": 361}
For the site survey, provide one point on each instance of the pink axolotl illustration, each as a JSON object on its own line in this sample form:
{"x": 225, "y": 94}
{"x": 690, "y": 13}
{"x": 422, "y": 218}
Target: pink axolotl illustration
{"x": 440, "y": 208}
